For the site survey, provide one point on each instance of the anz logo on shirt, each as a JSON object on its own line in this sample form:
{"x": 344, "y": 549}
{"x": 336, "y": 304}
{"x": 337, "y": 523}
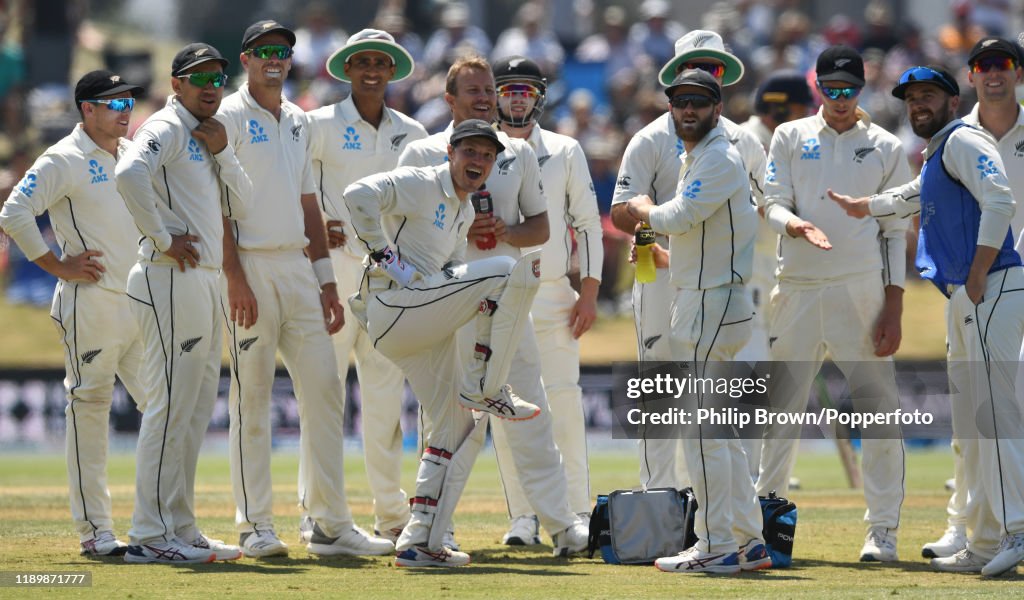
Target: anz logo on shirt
{"x": 771, "y": 174}
{"x": 195, "y": 153}
{"x": 352, "y": 140}
{"x": 680, "y": 149}
{"x": 96, "y": 170}
{"x": 811, "y": 150}
{"x": 692, "y": 189}
{"x": 258, "y": 137}
{"x": 28, "y": 184}
{"x": 439, "y": 216}
{"x": 986, "y": 166}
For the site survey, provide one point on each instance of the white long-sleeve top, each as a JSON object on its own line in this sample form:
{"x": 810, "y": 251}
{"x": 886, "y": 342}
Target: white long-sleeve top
{"x": 1011, "y": 150}
{"x": 345, "y": 148}
{"x": 74, "y": 181}
{"x": 712, "y": 220}
{"x": 807, "y": 157}
{"x": 961, "y": 160}
{"x": 514, "y": 182}
{"x": 275, "y": 155}
{"x": 415, "y": 211}
{"x": 572, "y": 203}
{"x": 173, "y": 185}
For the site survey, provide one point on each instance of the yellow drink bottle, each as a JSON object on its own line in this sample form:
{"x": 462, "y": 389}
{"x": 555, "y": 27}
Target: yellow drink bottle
{"x": 644, "y": 237}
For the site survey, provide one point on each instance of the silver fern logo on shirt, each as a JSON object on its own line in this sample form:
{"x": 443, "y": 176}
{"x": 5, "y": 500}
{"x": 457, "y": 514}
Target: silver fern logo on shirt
{"x": 1018, "y": 149}
{"x": 861, "y": 153}
{"x": 811, "y": 150}
{"x": 189, "y": 344}
{"x": 396, "y": 141}
{"x": 96, "y": 170}
{"x": 505, "y": 165}
{"x": 296, "y": 133}
{"x": 543, "y": 159}
{"x": 256, "y": 131}
{"x": 351, "y": 139}
{"x": 87, "y": 357}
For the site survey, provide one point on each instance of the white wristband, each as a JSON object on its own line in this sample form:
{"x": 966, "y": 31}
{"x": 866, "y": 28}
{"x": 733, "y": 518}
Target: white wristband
{"x": 324, "y": 271}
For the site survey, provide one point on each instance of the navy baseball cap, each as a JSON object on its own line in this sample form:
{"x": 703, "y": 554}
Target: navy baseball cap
{"x": 260, "y": 28}
{"x": 696, "y": 78}
{"x": 476, "y": 128}
{"x": 195, "y": 54}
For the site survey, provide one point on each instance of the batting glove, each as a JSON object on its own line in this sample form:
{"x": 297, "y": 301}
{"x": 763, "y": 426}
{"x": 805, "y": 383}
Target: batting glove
{"x": 392, "y": 266}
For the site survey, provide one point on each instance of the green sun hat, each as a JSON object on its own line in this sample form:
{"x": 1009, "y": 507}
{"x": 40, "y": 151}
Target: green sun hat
{"x": 371, "y": 39}
{"x": 697, "y": 44}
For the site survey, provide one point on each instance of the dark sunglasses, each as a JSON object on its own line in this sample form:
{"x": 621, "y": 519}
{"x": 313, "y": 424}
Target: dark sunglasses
{"x": 837, "y": 93}
{"x": 277, "y": 51}
{"x": 993, "y": 63}
{"x": 204, "y": 79}
{"x": 697, "y": 101}
{"x": 716, "y": 70}
{"x": 116, "y": 104}
{"x": 928, "y": 74}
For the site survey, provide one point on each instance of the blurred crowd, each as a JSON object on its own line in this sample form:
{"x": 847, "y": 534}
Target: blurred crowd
{"x": 601, "y": 60}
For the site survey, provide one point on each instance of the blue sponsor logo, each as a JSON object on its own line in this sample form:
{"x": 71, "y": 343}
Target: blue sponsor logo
{"x": 195, "y": 153}
{"x": 692, "y": 190}
{"x": 439, "y": 216}
{"x": 352, "y": 140}
{"x": 771, "y": 174}
{"x": 28, "y": 184}
{"x": 811, "y": 150}
{"x": 680, "y": 149}
{"x": 987, "y": 166}
{"x": 258, "y": 137}
{"x": 96, "y": 170}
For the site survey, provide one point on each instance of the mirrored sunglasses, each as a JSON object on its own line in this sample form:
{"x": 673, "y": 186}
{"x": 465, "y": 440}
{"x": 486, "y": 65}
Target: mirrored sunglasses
{"x": 697, "y": 101}
{"x": 925, "y": 74}
{"x": 837, "y": 93}
{"x": 716, "y": 70}
{"x": 116, "y": 104}
{"x": 993, "y": 63}
{"x": 204, "y": 79}
{"x": 277, "y": 51}
{"x": 518, "y": 89}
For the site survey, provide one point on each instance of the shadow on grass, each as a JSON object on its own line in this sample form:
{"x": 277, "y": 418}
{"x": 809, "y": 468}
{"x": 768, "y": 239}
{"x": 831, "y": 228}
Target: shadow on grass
{"x": 898, "y": 566}
{"x": 276, "y": 565}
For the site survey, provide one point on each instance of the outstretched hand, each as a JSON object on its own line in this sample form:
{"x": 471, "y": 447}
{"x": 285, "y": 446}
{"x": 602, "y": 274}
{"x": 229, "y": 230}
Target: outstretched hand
{"x": 810, "y": 232}
{"x": 855, "y": 207}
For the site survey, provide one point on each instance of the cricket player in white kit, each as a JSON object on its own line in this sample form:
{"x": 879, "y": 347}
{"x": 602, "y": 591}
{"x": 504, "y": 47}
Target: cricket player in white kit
{"x": 966, "y": 249}
{"x": 413, "y": 303}
{"x": 832, "y": 264}
{"x": 711, "y": 223}
{"x": 995, "y": 71}
{"x": 279, "y": 300}
{"x": 650, "y": 167}
{"x": 515, "y": 187}
{"x": 356, "y": 137}
{"x": 74, "y": 182}
{"x": 560, "y": 315}
{"x": 178, "y": 177}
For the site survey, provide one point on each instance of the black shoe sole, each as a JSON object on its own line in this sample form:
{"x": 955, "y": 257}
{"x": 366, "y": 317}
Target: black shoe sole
{"x": 929, "y": 553}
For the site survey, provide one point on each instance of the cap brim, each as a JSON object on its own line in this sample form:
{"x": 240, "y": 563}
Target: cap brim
{"x": 223, "y": 63}
{"x": 900, "y": 91}
{"x": 124, "y": 87}
{"x": 404, "y": 64}
{"x": 843, "y": 77}
{"x": 669, "y": 91}
{"x": 733, "y": 66}
{"x": 288, "y": 34}
{"x": 494, "y": 140}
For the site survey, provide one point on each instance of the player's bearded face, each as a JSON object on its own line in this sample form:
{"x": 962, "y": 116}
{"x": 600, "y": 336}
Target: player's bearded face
{"x": 929, "y": 109}
{"x": 692, "y": 123}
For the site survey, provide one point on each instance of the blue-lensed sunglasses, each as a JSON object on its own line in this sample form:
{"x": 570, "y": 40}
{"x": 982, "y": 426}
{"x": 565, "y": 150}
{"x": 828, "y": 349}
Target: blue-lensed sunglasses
{"x": 115, "y": 104}
{"x": 835, "y": 93}
{"x": 928, "y": 75}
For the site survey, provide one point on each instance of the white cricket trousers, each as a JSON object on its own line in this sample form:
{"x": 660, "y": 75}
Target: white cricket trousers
{"x": 984, "y": 344}
{"x": 100, "y": 339}
{"x": 559, "y": 359}
{"x": 838, "y": 318}
{"x": 179, "y": 316}
{"x": 381, "y": 390}
{"x": 661, "y": 461}
{"x": 290, "y": 319}
{"x": 416, "y": 328}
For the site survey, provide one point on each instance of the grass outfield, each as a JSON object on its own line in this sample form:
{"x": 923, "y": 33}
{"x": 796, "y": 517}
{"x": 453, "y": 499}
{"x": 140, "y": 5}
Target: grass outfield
{"x": 36, "y": 536}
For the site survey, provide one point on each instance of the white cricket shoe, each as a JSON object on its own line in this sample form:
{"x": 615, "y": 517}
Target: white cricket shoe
{"x": 354, "y": 542}
{"x": 104, "y": 543}
{"x": 505, "y": 405}
{"x": 753, "y": 556}
{"x": 448, "y": 541}
{"x": 692, "y": 560}
{"x": 523, "y": 531}
{"x": 951, "y": 542}
{"x": 305, "y": 529}
{"x": 262, "y": 544}
{"x": 879, "y": 546}
{"x": 570, "y": 540}
{"x": 963, "y": 561}
{"x": 1010, "y": 553}
{"x": 420, "y": 556}
{"x": 174, "y": 552}
{"x": 584, "y": 518}
{"x": 220, "y": 549}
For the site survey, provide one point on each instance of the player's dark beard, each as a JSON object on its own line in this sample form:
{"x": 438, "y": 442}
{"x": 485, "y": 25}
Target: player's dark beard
{"x": 703, "y": 127}
{"x": 932, "y": 126}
